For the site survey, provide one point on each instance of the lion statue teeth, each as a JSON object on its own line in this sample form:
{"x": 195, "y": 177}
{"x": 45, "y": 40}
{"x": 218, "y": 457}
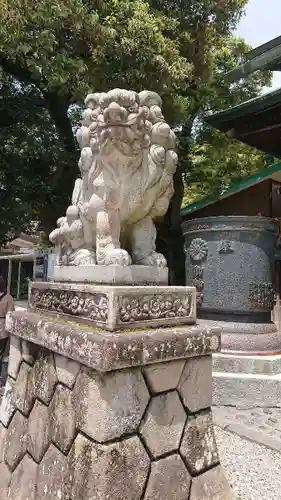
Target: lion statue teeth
{"x": 127, "y": 164}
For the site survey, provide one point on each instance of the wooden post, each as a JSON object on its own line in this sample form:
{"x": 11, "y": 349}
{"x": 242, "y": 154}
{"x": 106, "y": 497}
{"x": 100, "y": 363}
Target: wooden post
{"x": 9, "y": 276}
{"x": 18, "y": 283}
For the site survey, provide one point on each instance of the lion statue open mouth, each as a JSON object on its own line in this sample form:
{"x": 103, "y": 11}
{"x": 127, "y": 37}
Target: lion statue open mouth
{"x": 127, "y": 164}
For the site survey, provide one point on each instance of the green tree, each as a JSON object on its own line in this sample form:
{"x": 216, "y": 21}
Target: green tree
{"x": 52, "y": 52}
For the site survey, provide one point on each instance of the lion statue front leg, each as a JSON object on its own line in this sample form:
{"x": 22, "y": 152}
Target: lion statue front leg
{"x": 108, "y": 251}
{"x": 143, "y": 244}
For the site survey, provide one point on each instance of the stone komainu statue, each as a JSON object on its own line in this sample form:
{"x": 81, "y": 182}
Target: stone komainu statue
{"x": 127, "y": 164}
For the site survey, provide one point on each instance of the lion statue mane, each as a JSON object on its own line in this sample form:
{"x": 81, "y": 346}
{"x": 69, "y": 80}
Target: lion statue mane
{"x": 127, "y": 164}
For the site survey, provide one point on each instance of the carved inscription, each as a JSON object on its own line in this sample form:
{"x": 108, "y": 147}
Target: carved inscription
{"x": 149, "y": 307}
{"x": 261, "y": 295}
{"x": 90, "y": 306}
{"x": 225, "y": 247}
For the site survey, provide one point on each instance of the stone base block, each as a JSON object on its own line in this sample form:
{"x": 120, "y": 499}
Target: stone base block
{"x": 246, "y": 380}
{"x": 247, "y": 338}
{"x": 70, "y": 430}
{"x": 116, "y": 307}
{"x": 115, "y": 275}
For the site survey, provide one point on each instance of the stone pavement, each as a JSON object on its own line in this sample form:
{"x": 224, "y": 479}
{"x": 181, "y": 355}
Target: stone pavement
{"x": 259, "y": 425}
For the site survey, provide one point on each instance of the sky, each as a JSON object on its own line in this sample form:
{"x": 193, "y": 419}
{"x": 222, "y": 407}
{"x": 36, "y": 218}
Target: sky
{"x": 261, "y": 23}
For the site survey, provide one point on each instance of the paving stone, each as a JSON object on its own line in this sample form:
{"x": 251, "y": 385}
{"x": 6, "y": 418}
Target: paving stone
{"x": 168, "y": 480}
{"x": 3, "y": 435}
{"x": 212, "y": 485}
{"x": 39, "y": 431}
{"x": 7, "y": 407}
{"x": 163, "y": 424}
{"x": 45, "y": 377}
{"x": 15, "y": 356}
{"x": 5, "y": 476}
{"x": 260, "y": 425}
{"x": 23, "y": 389}
{"x": 62, "y": 418}
{"x": 117, "y": 471}
{"x": 23, "y": 483}
{"x": 195, "y": 384}
{"x": 198, "y": 447}
{"x": 53, "y": 476}
{"x": 109, "y": 405}
{"x": 67, "y": 370}
{"x": 16, "y": 441}
{"x": 29, "y": 351}
{"x": 163, "y": 376}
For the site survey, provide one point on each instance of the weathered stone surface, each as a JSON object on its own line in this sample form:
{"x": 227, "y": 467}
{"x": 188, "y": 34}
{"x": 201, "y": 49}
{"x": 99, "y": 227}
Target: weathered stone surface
{"x": 67, "y": 370}
{"x": 163, "y": 376}
{"x": 168, "y": 480}
{"x": 198, "y": 445}
{"x": 195, "y": 384}
{"x": 23, "y": 483}
{"x": 23, "y": 389}
{"x": 39, "y": 431}
{"x": 53, "y": 476}
{"x": 16, "y": 440}
{"x": 112, "y": 275}
{"x": 7, "y": 406}
{"x": 3, "y": 435}
{"x": 15, "y": 356}
{"x": 111, "y": 351}
{"x": 109, "y": 405}
{"x": 62, "y": 418}
{"x": 117, "y": 471}
{"x": 163, "y": 424}
{"x": 45, "y": 377}
{"x": 5, "y": 476}
{"x": 212, "y": 485}
{"x": 116, "y": 307}
{"x": 29, "y": 352}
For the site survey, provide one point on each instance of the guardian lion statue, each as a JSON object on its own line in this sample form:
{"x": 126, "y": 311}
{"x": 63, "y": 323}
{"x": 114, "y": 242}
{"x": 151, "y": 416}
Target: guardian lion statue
{"x": 127, "y": 164}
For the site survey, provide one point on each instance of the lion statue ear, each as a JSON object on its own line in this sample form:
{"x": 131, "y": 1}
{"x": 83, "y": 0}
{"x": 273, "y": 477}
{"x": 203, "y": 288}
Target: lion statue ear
{"x": 149, "y": 98}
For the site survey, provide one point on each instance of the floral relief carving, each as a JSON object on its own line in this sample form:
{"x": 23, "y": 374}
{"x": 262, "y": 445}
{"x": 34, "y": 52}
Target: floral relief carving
{"x": 149, "y": 307}
{"x": 94, "y": 306}
{"x": 198, "y": 249}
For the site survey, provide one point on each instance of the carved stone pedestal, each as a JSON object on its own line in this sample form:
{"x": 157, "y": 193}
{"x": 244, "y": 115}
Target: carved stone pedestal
{"x": 91, "y": 414}
{"x": 116, "y": 307}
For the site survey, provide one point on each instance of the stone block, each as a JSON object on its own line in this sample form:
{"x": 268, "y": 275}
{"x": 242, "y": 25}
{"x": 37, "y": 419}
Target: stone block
{"x": 67, "y": 370}
{"x": 168, "y": 480}
{"x": 115, "y": 275}
{"x": 53, "y": 476}
{"x": 104, "y": 351}
{"x": 15, "y": 356}
{"x": 116, "y": 307}
{"x": 163, "y": 377}
{"x": 198, "y": 447}
{"x": 195, "y": 384}
{"x": 109, "y": 405}
{"x": 163, "y": 424}
{"x": 45, "y": 377}
{"x": 5, "y": 476}
{"x": 117, "y": 471}
{"x": 23, "y": 482}
{"x": 7, "y": 406}
{"x": 23, "y": 389}
{"x": 16, "y": 441}
{"x": 62, "y": 418}
{"x": 39, "y": 431}
{"x": 212, "y": 485}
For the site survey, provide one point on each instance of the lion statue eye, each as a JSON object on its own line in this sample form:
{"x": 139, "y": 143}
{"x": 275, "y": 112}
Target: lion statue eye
{"x": 132, "y": 109}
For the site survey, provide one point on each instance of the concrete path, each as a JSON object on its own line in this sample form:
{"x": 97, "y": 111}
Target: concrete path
{"x": 253, "y": 471}
{"x": 260, "y": 425}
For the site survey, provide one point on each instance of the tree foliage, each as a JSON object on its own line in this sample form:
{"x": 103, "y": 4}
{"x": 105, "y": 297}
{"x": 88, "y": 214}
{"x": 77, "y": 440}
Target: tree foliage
{"x": 53, "y": 52}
